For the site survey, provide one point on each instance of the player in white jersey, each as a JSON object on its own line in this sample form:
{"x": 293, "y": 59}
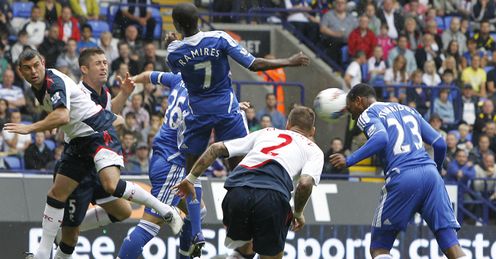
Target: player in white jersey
{"x": 92, "y": 140}
{"x": 256, "y": 207}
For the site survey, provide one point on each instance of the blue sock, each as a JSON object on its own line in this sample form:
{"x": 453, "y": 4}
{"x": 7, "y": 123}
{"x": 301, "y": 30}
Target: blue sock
{"x": 133, "y": 244}
{"x": 185, "y": 238}
{"x": 194, "y": 212}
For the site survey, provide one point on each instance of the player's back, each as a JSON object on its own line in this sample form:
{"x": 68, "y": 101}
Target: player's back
{"x": 203, "y": 62}
{"x": 405, "y": 147}
{"x": 275, "y": 158}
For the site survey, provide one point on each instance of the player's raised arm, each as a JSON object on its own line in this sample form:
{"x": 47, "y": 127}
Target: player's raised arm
{"x": 55, "y": 119}
{"x": 127, "y": 87}
{"x": 261, "y": 64}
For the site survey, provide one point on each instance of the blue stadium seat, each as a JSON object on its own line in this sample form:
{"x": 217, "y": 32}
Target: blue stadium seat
{"x": 13, "y": 162}
{"x": 22, "y": 9}
{"x": 447, "y": 21}
{"x": 344, "y": 55}
{"x": 365, "y": 72}
{"x": 50, "y": 144}
{"x": 440, "y": 23}
{"x": 157, "y": 33}
{"x": 98, "y": 27}
{"x": 112, "y": 12}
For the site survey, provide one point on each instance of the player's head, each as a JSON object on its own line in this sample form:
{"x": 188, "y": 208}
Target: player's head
{"x": 94, "y": 66}
{"x": 32, "y": 66}
{"x": 302, "y": 119}
{"x": 185, "y": 18}
{"x": 359, "y": 98}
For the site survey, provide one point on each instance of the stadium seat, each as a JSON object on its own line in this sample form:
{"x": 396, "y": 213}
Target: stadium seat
{"x": 344, "y": 55}
{"x": 447, "y": 22}
{"x": 98, "y": 27}
{"x": 112, "y": 12}
{"x": 440, "y": 23}
{"x": 13, "y": 162}
{"x": 22, "y": 9}
{"x": 157, "y": 33}
{"x": 365, "y": 72}
{"x": 50, "y": 144}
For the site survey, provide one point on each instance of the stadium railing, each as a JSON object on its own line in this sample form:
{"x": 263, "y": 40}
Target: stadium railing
{"x": 240, "y": 84}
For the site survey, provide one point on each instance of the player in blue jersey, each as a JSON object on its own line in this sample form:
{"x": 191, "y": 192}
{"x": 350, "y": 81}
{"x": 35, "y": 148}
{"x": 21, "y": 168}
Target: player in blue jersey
{"x": 413, "y": 183}
{"x": 166, "y": 168}
{"x": 202, "y": 59}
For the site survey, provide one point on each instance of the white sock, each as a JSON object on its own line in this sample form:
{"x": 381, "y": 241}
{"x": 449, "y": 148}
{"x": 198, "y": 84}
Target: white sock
{"x": 383, "y": 257}
{"x": 135, "y": 193}
{"x": 52, "y": 219}
{"x": 464, "y": 257}
{"x": 61, "y": 255}
{"x": 94, "y": 218}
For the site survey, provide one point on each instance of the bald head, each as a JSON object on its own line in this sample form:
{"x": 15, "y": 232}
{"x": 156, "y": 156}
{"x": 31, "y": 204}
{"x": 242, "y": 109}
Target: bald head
{"x": 185, "y": 18}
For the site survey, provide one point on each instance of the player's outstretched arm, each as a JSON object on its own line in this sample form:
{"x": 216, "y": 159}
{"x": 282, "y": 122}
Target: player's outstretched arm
{"x": 262, "y": 64}
{"x": 302, "y": 193}
{"x": 143, "y": 78}
{"x": 127, "y": 87}
{"x": 55, "y": 119}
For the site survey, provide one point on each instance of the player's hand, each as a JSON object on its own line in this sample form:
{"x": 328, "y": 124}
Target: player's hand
{"x": 244, "y": 105}
{"x": 170, "y": 37}
{"x": 17, "y": 128}
{"x": 184, "y": 189}
{"x": 337, "y": 160}
{"x": 127, "y": 85}
{"x": 298, "y": 223}
{"x": 299, "y": 59}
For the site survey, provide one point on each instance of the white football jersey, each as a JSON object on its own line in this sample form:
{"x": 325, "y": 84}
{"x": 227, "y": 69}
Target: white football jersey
{"x": 104, "y": 100}
{"x": 293, "y": 151}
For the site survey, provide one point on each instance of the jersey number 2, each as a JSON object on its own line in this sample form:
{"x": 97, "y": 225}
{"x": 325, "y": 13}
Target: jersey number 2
{"x": 412, "y": 123}
{"x": 269, "y": 150}
{"x": 208, "y": 73}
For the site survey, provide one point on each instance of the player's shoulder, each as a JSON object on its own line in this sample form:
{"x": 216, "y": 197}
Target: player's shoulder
{"x": 58, "y": 79}
{"x": 371, "y": 112}
{"x": 173, "y": 46}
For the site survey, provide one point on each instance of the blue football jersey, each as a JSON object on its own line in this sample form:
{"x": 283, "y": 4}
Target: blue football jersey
{"x": 406, "y": 131}
{"x": 167, "y": 140}
{"x": 204, "y": 66}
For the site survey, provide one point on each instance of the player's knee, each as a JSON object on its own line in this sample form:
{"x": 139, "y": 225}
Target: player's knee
{"x": 57, "y": 194}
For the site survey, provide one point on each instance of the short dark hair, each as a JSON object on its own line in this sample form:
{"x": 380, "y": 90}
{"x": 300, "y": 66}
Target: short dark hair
{"x": 130, "y": 114}
{"x": 85, "y": 55}
{"x": 86, "y": 26}
{"x": 362, "y": 90}
{"x": 302, "y": 117}
{"x": 121, "y": 43}
{"x": 186, "y": 15}
{"x": 28, "y": 54}
{"x": 266, "y": 115}
{"x": 268, "y": 95}
{"x": 448, "y": 71}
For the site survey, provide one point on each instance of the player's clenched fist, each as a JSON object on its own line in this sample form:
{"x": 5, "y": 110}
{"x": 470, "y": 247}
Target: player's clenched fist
{"x": 299, "y": 59}
{"x": 298, "y": 222}
{"x": 337, "y": 160}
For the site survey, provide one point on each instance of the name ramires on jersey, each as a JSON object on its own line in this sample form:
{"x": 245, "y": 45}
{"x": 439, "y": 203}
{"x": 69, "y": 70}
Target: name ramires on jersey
{"x": 200, "y": 52}
{"x": 396, "y": 108}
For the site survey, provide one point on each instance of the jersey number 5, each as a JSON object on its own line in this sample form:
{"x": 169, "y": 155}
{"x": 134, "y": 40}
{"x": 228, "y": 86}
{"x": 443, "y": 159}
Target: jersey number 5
{"x": 411, "y": 122}
{"x": 269, "y": 150}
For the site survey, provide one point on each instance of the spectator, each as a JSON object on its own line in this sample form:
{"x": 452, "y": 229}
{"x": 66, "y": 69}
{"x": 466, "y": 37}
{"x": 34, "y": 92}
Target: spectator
{"x": 113, "y": 82}
{"x": 451, "y": 149}
{"x": 335, "y": 27}
{"x": 124, "y": 57}
{"x": 4, "y": 112}
{"x": 57, "y": 154}
{"x": 428, "y": 50}
{"x": 482, "y": 11}
{"x": 394, "y": 20}
{"x": 491, "y": 84}
{"x": 430, "y": 77}
{"x": 252, "y": 120}
{"x": 10, "y": 92}
{"x": 131, "y": 126}
{"x": 277, "y": 118}
{"x": 414, "y": 8}
{"x": 374, "y": 22}
{"x": 453, "y": 51}
{"x": 490, "y": 131}
{"x": 16, "y": 143}
{"x": 216, "y": 169}
{"x": 454, "y": 33}
{"x": 150, "y": 101}
{"x": 85, "y": 10}
{"x": 139, "y": 163}
{"x": 397, "y": 73}
{"x": 464, "y": 141}
{"x": 4, "y": 63}
{"x": 432, "y": 28}
{"x": 51, "y": 10}
{"x": 155, "y": 124}
{"x": 105, "y": 43}
{"x": 465, "y": 28}
{"x": 383, "y": 40}
{"x": 128, "y": 140}
{"x": 416, "y": 94}
{"x": 484, "y": 116}
{"x": 151, "y": 56}
{"x": 38, "y": 154}
{"x": 377, "y": 65}
{"x": 87, "y": 40}
{"x": 353, "y": 74}
{"x": 402, "y": 49}
{"x": 68, "y": 26}
{"x": 22, "y": 42}
{"x": 135, "y": 45}
{"x": 138, "y": 15}
{"x": 444, "y": 107}
{"x": 477, "y": 153}
{"x": 450, "y": 64}
{"x": 486, "y": 169}
{"x": 483, "y": 37}
{"x": 469, "y": 108}
{"x": 461, "y": 170}
{"x": 445, "y": 7}
{"x": 51, "y": 47}
{"x": 68, "y": 62}
{"x": 412, "y": 33}
{"x": 437, "y": 122}
{"x": 265, "y": 121}
{"x": 448, "y": 79}
{"x": 337, "y": 146}
{"x": 304, "y": 22}
{"x": 142, "y": 116}
{"x": 362, "y": 38}
{"x": 475, "y": 76}
{"x": 35, "y": 27}
{"x": 472, "y": 51}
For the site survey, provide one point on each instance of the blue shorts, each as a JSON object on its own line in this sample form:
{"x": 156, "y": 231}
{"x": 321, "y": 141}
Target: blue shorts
{"x": 199, "y": 127}
{"x": 163, "y": 176}
{"x": 420, "y": 189}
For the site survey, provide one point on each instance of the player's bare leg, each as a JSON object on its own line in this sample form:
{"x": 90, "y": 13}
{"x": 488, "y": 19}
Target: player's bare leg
{"x": 120, "y": 209}
{"x": 454, "y": 252}
{"x": 380, "y": 253}
{"x": 111, "y": 183}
